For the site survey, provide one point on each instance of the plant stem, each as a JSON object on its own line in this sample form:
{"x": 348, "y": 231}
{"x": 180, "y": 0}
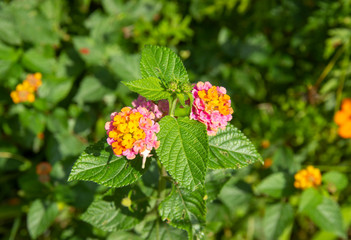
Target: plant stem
{"x": 26, "y": 162}
{"x": 15, "y": 228}
{"x": 162, "y": 182}
{"x": 173, "y": 106}
{"x": 330, "y": 66}
{"x": 345, "y": 65}
{"x": 160, "y": 192}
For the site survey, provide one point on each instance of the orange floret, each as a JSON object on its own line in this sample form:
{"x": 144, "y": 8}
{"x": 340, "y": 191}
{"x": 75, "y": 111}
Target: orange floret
{"x": 344, "y": 130}
{"x": 346, "y": 105}
{"x": 309, "y": 177}
{"x": 34, "y": 80}
{"x": 215, "y": 101}
{"x": 343, "y": 119}
{"x": 267, "y": 163}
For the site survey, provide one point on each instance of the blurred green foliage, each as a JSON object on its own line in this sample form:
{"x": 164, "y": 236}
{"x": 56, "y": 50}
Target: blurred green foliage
{"x": 285, "y": 65}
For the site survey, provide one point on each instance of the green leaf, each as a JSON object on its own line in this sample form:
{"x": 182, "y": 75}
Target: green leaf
{"x": 236, "y": 195}
{"x": 57, "y": 121}
{"x": 150, "y": 87}
{"x": 310, "y": 198}
{"x": 283, "y": 160}
{"x": 327, "y": 216}
{"x": 34, "y": 27}
{"x": 33, "y": 120}
{"x": 214, "y": 181}
{"x": 69, "y": 144}
{"x": 40, "y": 216}
{"x": 276, "y": 185}
{"x": 276, "y": 219}
{"x": 231, "y": 149}
{"x": 54, "y": 89}
{"x": 99, "y": 164}
{"x": 37, "y": 61}
{"x": 8, "y": 31}
{"x": 185, "y": 209}
{"x": 126, "y": 66}
{"x": 183, "y": 150}
{"x": 120, "y": 235}
{"x": 91, "y": 89}
{"x": 95, "y": 53}
{"x": 8, "y": 57}
{"x": 158, "y": 229}
{"x": 335, "y": 179}
{"x": 109, "y": 214}
{"x": 163, "y": 63}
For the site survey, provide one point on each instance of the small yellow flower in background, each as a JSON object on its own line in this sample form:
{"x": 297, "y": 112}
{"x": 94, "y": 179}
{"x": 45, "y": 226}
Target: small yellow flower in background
{"x": 34, "y": 80}
{"x": 60, "y": 206}
{"x": 309, "y": 177}
{"x": 127, "y": 202}
{"x": 25, "y": 91}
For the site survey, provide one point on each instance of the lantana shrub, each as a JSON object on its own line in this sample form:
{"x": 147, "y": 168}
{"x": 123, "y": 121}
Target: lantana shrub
{"x": 175, "y": 131}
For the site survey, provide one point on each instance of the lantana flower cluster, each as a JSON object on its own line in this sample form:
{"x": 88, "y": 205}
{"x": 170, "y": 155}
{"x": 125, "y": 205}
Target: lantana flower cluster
{"x": 343, "y": 119}
{"x": 25, "y": 91}
{"x": 160, "y": 109}
{"x": 132, "y": 131}
{"x": 309, "y": 177}
{"x": 212, "y": 106}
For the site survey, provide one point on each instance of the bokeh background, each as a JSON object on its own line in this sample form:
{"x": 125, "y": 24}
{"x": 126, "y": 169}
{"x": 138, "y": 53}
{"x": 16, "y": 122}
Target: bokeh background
{"x": 285, "y": 64}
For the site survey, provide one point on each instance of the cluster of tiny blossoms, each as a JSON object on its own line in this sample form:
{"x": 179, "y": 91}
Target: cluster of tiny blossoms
{"x": 309, "y": 177}
{"x": 343, "y": 119}
{"x": 160, "y": 109}
{"x": 132, "y": 131}
{"x": 212, "y": 106}
{"x": 25, "y": 91}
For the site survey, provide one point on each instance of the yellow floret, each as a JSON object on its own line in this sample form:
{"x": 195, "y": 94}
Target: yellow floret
{"x": 37, "y": 75}
{"x": 306, "y": 178}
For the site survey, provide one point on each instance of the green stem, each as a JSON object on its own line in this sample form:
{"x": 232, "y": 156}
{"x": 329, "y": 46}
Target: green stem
{"x": 330, "y": 66}
{"x": 157, "y": 229}
{"x": 162, "y": 182}
{"x": 173, "y": 106}
{"x": 160, "y": 193}
{"x": 26, "y": 162}
{"x": 342, "y": 79}
{"x": 15, "y": 228}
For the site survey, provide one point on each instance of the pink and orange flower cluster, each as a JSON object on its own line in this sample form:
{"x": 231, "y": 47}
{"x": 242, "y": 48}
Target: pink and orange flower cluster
{"x": 25, "y": 92}
{"x": 132, "y": 131}
{"x": 212, "y": 106}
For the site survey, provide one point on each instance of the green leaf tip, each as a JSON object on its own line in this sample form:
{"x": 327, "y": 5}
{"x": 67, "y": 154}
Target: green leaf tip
{"x": 230, "y": 148}
{"x": 162, "y": 63}
{"x": 150, "y": 88}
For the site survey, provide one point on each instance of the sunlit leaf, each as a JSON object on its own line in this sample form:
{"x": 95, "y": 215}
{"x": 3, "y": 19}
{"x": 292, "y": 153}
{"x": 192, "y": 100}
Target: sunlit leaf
{"x": 183, "y": 150}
